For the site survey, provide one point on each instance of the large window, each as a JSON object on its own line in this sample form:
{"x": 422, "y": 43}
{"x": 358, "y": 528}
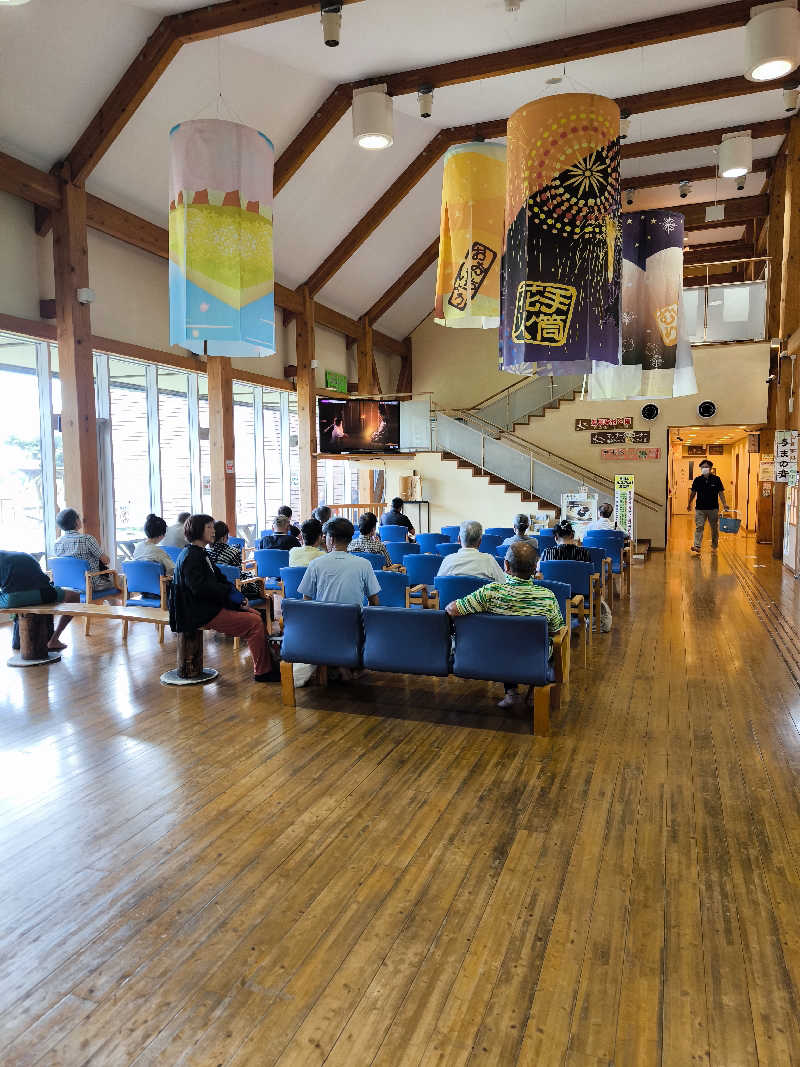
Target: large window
{"x": 21, "y": 477}
{"x": 273, "y": 467}
{"x": 205, "y": 448}
{"x": 173, "y": 421}
{"x": 294, "y": 454}
{"x": 244, "y": 437}
{"x": 129, "y": 437}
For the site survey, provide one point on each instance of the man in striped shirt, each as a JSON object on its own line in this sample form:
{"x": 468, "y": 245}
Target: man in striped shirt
{"x": 517, "y": 595}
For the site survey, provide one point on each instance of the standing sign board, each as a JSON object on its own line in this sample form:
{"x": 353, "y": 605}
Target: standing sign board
{"x": 579, "y": 509}
{"x": 623, "y": 504}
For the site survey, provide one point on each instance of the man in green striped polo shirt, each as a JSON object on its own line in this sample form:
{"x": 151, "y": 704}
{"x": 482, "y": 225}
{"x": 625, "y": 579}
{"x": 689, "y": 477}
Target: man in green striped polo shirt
{"x": 517, "y": 595}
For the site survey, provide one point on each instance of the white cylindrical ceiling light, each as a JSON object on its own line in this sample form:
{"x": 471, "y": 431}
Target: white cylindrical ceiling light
{"x": 772, "y": 41}
{"x": 735, "y": 155}
{"x": 373, "y": 118}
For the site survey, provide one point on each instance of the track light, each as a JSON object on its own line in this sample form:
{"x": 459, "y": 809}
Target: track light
{"x": 425, "y": 100}
{"x": 684, "y": 188}
{"x": 629, "y": 197}
{"x": 331, "y": 23}
{"x": 624, "y": 125}
{"x": 735, "y": 154}
{"x": 772, "y": 41}
{"x": 790, "y": 99}
{"x": 373, "y": 118}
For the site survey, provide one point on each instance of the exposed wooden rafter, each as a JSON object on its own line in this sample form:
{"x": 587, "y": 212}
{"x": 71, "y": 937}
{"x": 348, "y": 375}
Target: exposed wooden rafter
{"x": 737, "y": 209}
{"x": 410, "y": 275}
{"x": 672, "y": 177}
{"x": 683, "y": 142}
{"x": 312, "y": 134}
{"x": 724, "y": 252}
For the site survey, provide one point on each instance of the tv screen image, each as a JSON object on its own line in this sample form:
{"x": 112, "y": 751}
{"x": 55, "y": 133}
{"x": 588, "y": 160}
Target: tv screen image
{"x": 359, "y": 425}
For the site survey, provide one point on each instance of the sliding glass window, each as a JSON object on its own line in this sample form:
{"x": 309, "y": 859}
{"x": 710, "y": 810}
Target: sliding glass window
{"x": 173, "y": 420}
{"x": 130, "y": 443}
{"x": 22, "y": 498}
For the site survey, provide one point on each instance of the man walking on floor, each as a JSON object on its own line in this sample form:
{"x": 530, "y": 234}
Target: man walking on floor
{"x": 708, "y": 488}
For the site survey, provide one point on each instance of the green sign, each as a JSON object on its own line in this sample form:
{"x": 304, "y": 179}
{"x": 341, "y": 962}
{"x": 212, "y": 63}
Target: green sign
{"x": 337, "y": 382}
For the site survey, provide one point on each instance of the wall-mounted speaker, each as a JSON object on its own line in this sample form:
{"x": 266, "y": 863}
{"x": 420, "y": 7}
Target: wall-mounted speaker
{"x": 707, "y": 409}
{"x": 650, "y": 412}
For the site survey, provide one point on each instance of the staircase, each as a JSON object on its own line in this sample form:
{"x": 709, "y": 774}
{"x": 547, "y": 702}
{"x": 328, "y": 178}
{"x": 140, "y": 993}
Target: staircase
{"x": 493, "y": 479}
{"x": 525, "y": 400}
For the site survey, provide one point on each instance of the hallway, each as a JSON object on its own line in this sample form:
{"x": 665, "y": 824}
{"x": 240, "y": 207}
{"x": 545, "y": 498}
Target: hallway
{"x": 205, "y": 878}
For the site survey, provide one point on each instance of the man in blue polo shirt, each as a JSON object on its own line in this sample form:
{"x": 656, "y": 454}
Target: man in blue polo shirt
{"x": 339, "y": 577}
{"x": 708, "y": 488}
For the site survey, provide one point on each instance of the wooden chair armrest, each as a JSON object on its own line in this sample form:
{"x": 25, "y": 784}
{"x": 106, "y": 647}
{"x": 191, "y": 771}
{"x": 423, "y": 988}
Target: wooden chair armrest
{"x": 559, "y": 637}
{"x": 97, "y": 574}
{"x": 398, "y": 568}
{"x": 576, "y": 601}
{"x": 255, "y": 578}
{"x": 164, "y": 583}
{"x": 560, "y": 655}
{"x": 420, "y": 591}
{"x": 248, "y": 564}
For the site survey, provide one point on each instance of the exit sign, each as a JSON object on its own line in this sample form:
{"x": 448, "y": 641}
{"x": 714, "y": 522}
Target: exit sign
{"x": 337, "y": 382}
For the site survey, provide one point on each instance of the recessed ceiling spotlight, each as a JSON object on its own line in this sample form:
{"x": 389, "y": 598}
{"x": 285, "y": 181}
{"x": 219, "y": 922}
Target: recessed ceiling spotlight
{"x": 373, "y": 118}
{"x": 331, "y": 17}
{"x": 772, "y": 41}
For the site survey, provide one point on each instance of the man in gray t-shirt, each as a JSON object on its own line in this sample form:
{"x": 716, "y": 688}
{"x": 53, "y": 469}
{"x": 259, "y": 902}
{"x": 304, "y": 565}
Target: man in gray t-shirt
{"x": 339, "y": 577}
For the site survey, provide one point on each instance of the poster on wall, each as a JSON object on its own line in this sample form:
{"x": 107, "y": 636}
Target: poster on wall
{"x": 621, "y": 437}
{"x": 630, "y": 453}
{"x": 623, "y": 503}
{"x": 766, "y": 469}
{"x": 786, "y": 456}
{"x": 694, "y": 450}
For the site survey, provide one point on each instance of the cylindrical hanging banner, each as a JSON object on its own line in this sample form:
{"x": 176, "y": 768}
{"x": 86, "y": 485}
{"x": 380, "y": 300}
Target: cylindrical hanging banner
{"x": 652, "y": 320}
{"x": 221, "y": 272}
{"x": 560, "y": 287}
{"x": 471, "y": 236}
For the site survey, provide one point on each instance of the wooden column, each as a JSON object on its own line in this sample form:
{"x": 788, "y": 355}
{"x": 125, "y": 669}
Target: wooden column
{"x": 75, "y": 360}
{"x": 775, "y": 236}
{"x": 368, "y": 381}
{"x": 790, "y": 280}
{"x": 221, "y": 441}
{"x": 781, "y": 393}
{"x": 306, "y": 404}
{"x": 405, "y": 378}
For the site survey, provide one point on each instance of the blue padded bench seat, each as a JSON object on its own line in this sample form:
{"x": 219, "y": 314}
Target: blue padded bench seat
{"x": 496, "y": 648}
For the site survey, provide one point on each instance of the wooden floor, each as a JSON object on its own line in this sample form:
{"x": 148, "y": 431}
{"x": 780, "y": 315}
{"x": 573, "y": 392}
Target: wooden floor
{"x": 202, "y": 877}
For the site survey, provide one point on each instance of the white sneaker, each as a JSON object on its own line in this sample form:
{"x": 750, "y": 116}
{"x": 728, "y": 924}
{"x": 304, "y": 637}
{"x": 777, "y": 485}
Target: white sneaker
{"x": 509, "y": 700}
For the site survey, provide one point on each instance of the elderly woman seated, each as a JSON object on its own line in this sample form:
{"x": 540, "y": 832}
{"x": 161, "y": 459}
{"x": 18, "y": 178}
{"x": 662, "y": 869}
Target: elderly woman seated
{"x": 150, "y": 550}
{"x": 202, "y": 598}
{"x": 23, "y": 583}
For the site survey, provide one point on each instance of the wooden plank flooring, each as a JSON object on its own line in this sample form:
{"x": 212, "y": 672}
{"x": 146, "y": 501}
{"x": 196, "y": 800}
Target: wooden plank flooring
{"x": 384, "y": 876}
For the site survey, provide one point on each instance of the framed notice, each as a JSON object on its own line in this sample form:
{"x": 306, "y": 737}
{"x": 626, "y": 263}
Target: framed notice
{"x": 766, "y": 468}
{"x": 786, "y": 456}
{"x": 716, "y": 450}
{"x": 630, "y": 453}
{"x": 623, "y": 503}
{"x": 694, "y": 450}
{"x": 335, "y": 381}
{"x": 623, "y": 422}
{"x": 621, "y": 437}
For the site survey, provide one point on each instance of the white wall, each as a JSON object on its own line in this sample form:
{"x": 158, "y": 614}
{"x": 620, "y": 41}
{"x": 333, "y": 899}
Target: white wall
{"x": 19, "y": 269}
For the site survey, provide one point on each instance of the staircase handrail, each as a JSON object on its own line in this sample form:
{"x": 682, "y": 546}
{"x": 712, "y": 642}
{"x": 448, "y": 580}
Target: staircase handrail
{"x": 586, "y": 476}
{"x": 522, "y": 380}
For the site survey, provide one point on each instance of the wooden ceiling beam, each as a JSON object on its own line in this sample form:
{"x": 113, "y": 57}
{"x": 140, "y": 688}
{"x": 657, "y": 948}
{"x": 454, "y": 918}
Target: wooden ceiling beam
{"x": 707, "y": 139}
{"x": 672, "y": 177}
{"x": 233, "y": 16}
{"x": 312, "y": 134}
{"x": 737, "y": 210}
{"x": 725, "y": 224}
{"x": 22, "y": 180}
{"x": 700, "y": 93}
{"x": 411, "y": 274}
{"x": 569, "y": 49}
{"x": 723, "y": 252}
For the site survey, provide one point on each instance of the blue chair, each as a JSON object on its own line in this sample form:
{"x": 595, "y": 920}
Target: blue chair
{"x": 512, "y": 648}
{"x": 237, "y": 542}
{"x": 231, "y": 573}
{"x": 446, "y": 548}
{"x": 375, "y": 559}
{"x": 489, "y": 542}
{"x": 421, "y": 570}
{"x": 500, "y": 531}
{"x": 73, "y": 573}
{"x": 427, "y": 542}
{"x": 582, "y": 579}
{"x": 291, "y": 578}
{"x": 268, "y": 566}
{"x": 451, "y": 532}
{"x": 571, "y": 607}
{"x": 398, "y": 550}
{"x": 393, "y": 533}
{"x": 545, "y": 537}
{"x": 613, "y": 543}
{"x": 327, "y": 635}
{"x": 172, "y": 552}
{"x": 394, "y": 589}
{"x": 453, "y": 586}
{"x": 143, "y": 577}
{"x": 603, "y": 568}
{"x": 403, "y": 644}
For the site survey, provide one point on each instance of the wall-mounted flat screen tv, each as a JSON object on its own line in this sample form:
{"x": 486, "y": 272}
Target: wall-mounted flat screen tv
{"x": 359, "y": 425}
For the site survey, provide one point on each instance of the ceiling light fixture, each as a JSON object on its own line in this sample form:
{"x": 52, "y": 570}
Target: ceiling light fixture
{"x": 512, "y": 5}
{"x": 331, "y": 17}
{"x": 373, "y": 118}
{"x": 735, "y": 154}
{"x": 772, "y": 41}
{"x": 624, "y": 124}
{"x": 425, "y": 100}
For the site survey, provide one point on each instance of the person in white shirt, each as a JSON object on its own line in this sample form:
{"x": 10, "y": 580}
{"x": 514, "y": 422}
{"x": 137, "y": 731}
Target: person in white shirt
{"x": 154, "y": 530}
{"x": 468, "y": 560}
{"x": 605, "y": 521}
{"x": 175, "y": 536}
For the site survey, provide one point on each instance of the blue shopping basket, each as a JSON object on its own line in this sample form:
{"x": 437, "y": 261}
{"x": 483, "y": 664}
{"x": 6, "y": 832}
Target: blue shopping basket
{"x": 729, "y": 523}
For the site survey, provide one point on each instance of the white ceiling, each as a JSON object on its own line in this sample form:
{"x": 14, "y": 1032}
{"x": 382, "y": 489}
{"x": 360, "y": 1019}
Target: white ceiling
{"x": 60, "y": 58}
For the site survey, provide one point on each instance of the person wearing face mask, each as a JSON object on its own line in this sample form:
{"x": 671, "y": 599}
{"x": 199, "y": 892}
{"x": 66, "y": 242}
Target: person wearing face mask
{"x": 708, "y": 489}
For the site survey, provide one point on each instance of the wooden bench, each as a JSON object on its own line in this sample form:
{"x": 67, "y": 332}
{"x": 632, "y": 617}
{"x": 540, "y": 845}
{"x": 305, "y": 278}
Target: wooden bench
{"x": 33, "y": 629}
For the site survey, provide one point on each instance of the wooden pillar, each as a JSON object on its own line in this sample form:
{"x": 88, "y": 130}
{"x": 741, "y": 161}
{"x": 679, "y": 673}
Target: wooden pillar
{"x": 405, "y": 378}
{"x": 221, "y": 441}
{"x": 790, "y": 280}
{"x": 75, "y": 358}
{"x": 368, "y": 381}
{"x": 306, "y": 404}
{"x": 775, "y": 235}
{"x": 781, "y": 393}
